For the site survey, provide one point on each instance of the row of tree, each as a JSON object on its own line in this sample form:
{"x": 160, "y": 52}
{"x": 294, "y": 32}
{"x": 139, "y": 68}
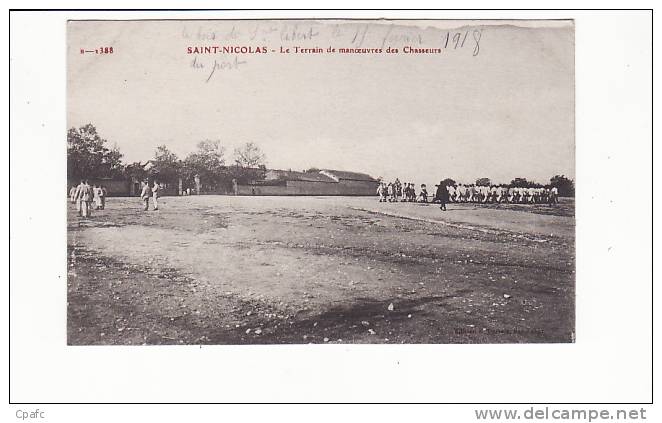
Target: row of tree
{"x": 88, "y": 156}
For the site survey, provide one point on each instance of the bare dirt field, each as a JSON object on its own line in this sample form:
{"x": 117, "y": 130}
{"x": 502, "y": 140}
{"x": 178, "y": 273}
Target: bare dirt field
{"x": 271, "y": 270}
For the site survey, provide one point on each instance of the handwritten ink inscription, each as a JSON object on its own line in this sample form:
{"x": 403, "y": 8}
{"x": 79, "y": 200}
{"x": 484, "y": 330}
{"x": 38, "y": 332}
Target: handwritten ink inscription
{"x": 231, "y": 48}
{"x": 218, "y": 65}
{"x": 458, "y": 39}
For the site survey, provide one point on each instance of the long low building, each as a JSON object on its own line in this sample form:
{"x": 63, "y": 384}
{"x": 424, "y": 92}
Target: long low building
{"x": 322, "y": 182}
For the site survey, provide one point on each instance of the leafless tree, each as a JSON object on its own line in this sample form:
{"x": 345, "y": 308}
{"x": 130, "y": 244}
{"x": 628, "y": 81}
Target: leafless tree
{"x": 249, "y": 155}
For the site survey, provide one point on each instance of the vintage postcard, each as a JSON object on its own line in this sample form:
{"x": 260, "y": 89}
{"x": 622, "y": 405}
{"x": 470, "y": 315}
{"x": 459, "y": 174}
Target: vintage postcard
{"x": 320, "y": 181}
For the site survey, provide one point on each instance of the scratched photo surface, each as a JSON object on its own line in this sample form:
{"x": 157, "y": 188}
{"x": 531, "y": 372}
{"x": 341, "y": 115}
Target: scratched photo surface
{"x": 320, "y": 181}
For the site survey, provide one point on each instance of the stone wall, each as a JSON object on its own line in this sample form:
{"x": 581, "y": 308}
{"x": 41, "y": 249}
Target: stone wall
{"x": 358, "y": 188}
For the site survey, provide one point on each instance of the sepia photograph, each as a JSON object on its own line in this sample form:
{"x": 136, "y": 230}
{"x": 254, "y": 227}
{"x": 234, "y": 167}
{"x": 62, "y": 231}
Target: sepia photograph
{"x": 320, "y": 181}
{"x": 355, "y": 214}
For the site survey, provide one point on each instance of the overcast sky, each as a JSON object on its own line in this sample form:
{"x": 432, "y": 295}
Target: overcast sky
{"x": 502, "y": 109}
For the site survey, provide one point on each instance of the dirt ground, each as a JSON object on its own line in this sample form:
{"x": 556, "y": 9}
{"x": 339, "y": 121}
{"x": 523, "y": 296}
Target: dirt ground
{"x": 273, "y": 270}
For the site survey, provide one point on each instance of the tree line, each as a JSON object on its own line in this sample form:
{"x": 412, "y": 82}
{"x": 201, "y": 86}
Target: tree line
{"x": 89, "y": 156}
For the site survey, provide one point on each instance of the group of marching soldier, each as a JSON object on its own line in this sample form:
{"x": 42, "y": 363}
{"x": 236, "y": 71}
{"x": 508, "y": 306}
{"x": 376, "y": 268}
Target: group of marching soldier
{"x": 502, "y": 194}
{"x": 87, "y": 197}
{"x": 461, "y": 193}
{"x": 398, "y": 191}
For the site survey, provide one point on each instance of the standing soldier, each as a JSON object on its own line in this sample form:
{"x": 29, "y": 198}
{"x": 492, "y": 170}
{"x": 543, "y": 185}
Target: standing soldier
{"x": 72, "y": 195}
{"x": 104, "y": 194}
{"x": 479, "y": 194}
{"x": 493, "y": 193}
{"x": 461, "y": 193}
{"x": 78, "y": 197}
{"x": 156, "y": 193}
{"x": 532, "y": 195}
{"x": 451, "y": 192}
{"x": 554, "y": 195}
{"x": 144, "y": 195}
{"x": 97, "y": 197}
{"x": 442, "y": 195}
{"x": 381, "y": 190}
{"x": 424, "y": 193}
{"x": 85, "y": 196}
{"x": 524, "y": 195}
{"x": 92, "y": 196}
{"x": 514, "y": 195}
{"x": 471, "y": 192}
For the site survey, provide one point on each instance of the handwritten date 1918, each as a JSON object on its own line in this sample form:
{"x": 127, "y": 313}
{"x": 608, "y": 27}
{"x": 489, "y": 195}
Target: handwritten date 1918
{"x": 457, "y": 40}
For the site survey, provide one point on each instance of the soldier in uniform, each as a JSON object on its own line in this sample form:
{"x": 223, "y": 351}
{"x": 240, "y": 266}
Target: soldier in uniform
{"x": 554, "y": 195}
{"x": 424, "y": 194}
{"x": 451, "y": 192}
{"x": 104, "y": 194}
{"x": 97, "y": 197}
{"x": 390, "y": 189}
{"x": 84, "y": 196}
{"x": 72, "y": 195}
{"x": 156, "y": 193}
{"x": 77, "y": 197}
{"x": 442, "y": 195}
{"x": 461, "y": 193}
{"x": 144, "y": 195}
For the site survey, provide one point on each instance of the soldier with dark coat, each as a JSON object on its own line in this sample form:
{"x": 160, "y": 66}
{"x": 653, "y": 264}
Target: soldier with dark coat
{"x": 442, "y": 195}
